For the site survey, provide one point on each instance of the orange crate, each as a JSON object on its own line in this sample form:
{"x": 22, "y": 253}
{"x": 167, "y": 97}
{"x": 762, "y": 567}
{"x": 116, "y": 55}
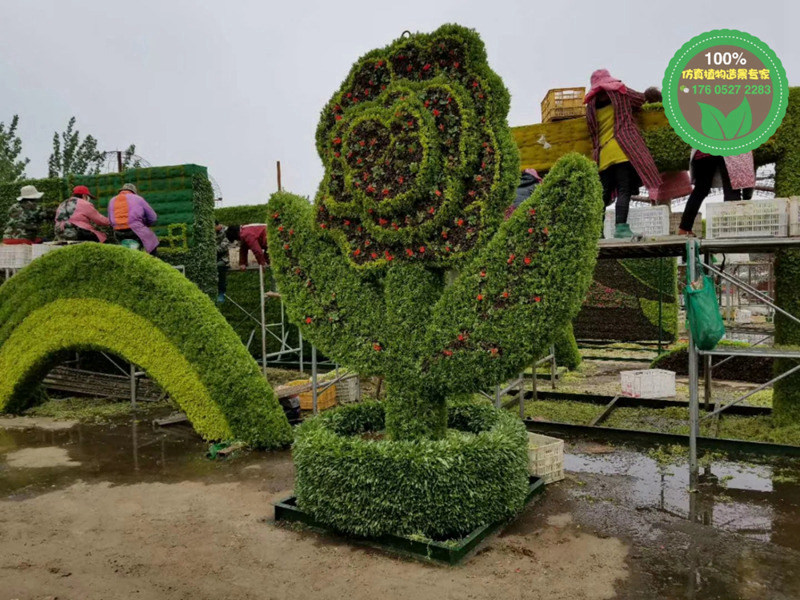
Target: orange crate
{"x": 325, "y": 399}
{"x": 563, "y": 103}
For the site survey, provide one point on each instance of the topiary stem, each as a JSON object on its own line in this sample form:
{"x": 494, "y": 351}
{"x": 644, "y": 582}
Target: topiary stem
{"x": 414, "y": 411}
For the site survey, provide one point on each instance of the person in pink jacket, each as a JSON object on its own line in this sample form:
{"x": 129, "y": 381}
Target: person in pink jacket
{"x": 76, "y": 216}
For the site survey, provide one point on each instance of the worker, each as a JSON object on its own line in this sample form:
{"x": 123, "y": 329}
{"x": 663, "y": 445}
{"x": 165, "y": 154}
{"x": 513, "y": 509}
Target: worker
{"x": 736, "y": 175}
{"x": 131, "y": 216}
{"x": 617, "y": 144}
{"x": 528, "y": 182}
{"x": 250, "y": 237}
{"x": 223, "y": 261}
{"x": 25, "y": 217}
{"x": 76, "y": 215}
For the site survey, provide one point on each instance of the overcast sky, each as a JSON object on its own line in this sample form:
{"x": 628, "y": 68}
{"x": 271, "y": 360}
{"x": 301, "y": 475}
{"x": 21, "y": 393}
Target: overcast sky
{"x": 236, "y": 85}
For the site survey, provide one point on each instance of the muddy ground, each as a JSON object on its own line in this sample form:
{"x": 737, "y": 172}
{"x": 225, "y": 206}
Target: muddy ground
{"x": 126, "y": 511}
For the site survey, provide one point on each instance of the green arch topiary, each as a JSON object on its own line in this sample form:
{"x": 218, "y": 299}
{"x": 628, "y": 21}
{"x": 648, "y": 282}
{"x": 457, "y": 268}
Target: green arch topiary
{"x": 90, "y": 296}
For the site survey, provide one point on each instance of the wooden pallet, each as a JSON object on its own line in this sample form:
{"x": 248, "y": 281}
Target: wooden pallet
{"x": 101, "y": 385}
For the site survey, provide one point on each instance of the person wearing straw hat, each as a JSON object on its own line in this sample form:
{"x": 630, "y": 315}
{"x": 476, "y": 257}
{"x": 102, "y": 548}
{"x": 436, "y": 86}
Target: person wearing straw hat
{"x": 131, "y": 216}
{"x": 25, "y": 217}
{"x": 76, "y": 215}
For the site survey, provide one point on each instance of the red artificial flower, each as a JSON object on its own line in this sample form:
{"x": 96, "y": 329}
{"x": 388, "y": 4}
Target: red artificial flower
{"x": 411, "y": 123}
{"x": 409, "y": 251}
{"x": 532, "y": 211}
{"x": 447, "y": 352}
{"x": 444, "y": 234}
{"x": 546, "y": 231}
{"x": 400, "y": 179}
{"x": 291, "y": 232}
{"x": 426, "y": 67}
{"x": 505, "y": 294}
{"x": 370, "y": 189}
{"x": 460, "y": 337}
{"x": 349, "y": 94}
{"x": 471, "y": 193}
{"x": 376, "y": 347}
{"x": 286, "y": 246}
{"x": 357, "y": 251}
{"x": 382, "y": 221}
{"x": 385, "y": 192}
{"x": 436, "y": 112}
{"x": 537, "y": 299}
{"x": 379, "y": 64}
{"x": 362, "y": 143}
{"x": 422, "y": 249}
{"x": 478, "y": 178}
{"x": 389, "y": 257}
{"x": 323, "y": 225}
{"x": 432, "y": 210}
{"x": 483, "y": 273}
{"x": 494, "y": 351}
{"x": 338, "y": 117}
{"x": 460, "y": 222}
{"x": 396, "y": 226}
{"x": 374, "y": 256}
{"x": 337, "y": 141}
{"x": 511, "y": 258}
{"x": 474, "y": 84}
{"x": 309, "y": 320}
{"x": 527, "y": 260}
{"x": 438, "y": 192}
{"x": 441, "y": 126}
{"x": 480, "y": 297}
{"x": 337, "y": 154}
{"x": 346, "y": 222}
{"x": 530, "y": 229}
{"x": 447, "y": 248}
{"x": 456, "y": 64}
{"x": 275, "y": 215}
{"x": 280, "y": 227}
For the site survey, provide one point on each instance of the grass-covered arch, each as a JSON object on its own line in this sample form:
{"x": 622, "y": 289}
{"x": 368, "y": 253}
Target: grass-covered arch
{"x": 103, "y": 297}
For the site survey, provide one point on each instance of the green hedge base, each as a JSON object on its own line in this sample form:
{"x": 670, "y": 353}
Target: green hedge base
{"x": 450, "y": 552}
{"x": 352, "y": 479}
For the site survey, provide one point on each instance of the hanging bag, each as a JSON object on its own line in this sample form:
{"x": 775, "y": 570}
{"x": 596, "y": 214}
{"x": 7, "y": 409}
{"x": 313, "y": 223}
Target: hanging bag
{"x": 702, "y": 307}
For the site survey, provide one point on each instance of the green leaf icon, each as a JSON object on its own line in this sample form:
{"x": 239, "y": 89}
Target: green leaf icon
{"x": 716, "y": 125}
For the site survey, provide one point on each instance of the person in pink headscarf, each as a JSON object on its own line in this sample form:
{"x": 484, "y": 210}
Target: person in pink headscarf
{"x": 617, "y": 144}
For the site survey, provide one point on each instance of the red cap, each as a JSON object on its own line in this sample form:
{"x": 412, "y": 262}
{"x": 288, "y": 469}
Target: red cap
{"x": 81, "y": 190}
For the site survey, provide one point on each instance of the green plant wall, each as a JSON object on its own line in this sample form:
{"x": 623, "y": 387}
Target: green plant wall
{"x": 181, "y": 195}
{"x": 102, "y": 297}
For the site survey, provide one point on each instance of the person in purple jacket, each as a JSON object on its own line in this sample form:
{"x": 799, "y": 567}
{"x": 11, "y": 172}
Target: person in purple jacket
{"x": 131, "y": 217}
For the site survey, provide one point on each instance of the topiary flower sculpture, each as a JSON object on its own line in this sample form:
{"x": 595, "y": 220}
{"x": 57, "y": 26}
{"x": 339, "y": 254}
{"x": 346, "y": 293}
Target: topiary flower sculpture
{"x": 405, "y": 268}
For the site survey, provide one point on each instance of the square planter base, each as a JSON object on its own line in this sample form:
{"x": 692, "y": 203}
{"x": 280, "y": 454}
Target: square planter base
{"x": 451, "y": 552}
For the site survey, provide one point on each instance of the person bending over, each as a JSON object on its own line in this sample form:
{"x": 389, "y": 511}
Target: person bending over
{"x": 252, "y": 238}
{"x": 75, "y": 217}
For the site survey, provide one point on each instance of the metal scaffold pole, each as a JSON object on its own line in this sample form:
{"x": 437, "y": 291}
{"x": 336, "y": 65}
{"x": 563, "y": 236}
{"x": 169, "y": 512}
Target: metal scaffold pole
{"x": 263, "y": 320}
{"x": 694, "y": 401}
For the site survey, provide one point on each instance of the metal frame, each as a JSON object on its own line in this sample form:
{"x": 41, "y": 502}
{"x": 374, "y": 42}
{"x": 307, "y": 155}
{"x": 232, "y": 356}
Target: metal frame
{"x": 519, "y": 383}
{"x": 692, "y": 266}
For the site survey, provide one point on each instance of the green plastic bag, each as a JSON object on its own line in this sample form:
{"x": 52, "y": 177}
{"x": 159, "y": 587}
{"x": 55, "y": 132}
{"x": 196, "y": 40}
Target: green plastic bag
{"x": 702, "y": 309}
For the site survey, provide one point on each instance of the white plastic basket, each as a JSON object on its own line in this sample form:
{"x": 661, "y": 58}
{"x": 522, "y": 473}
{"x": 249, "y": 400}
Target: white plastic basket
{"x": 38, "y": 250}
{"x": 748, "y": 218}
{"x": 348, "y": 390}
{"x": 648, "y": 221}
{"x": 744, "y": 316}
{"x": 648, "y": 383}
{"x": 794, "y": 216}
{"x": 546, "y": 457}
{"x": 15, "y": 256}
{"x": 675, "y": 222}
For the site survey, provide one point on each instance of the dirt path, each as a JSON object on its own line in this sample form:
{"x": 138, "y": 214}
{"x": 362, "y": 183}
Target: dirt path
{"x": 196, "y": 540}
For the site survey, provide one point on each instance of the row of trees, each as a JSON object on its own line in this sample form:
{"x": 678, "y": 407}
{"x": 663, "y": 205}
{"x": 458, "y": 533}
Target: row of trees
{"x": 71, "y": 155}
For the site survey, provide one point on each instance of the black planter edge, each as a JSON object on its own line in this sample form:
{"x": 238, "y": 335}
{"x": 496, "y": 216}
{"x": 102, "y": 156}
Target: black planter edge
{"x": 452, "y": 554}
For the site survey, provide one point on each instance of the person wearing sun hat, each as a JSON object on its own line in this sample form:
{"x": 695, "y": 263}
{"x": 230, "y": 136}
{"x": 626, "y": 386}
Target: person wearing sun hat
{"x": 131, "y": 216}
{"x": 76, "y": 215}
{"x": 617, "y": 144}
{"x": 25, "y": 217}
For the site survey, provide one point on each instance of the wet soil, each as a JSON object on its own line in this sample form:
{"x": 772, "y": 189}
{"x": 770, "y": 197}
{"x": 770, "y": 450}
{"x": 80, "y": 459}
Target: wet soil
{"x": 141, "y": 513}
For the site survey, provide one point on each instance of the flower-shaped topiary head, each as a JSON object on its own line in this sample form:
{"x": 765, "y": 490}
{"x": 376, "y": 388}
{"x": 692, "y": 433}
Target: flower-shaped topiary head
{"x": 419, "y": 160}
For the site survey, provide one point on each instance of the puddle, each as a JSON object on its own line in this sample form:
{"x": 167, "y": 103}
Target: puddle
{"x": 746, "y": 499}
{"x": 34, "y": 460}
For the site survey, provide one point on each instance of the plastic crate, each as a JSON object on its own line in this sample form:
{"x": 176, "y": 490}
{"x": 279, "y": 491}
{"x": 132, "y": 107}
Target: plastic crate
{"x": 794, "y": 216}
{"x": 348, "y": 390}
{"x": 38, "y": 250}
{"x": 675, "y": 222}
{"x": 546, "y": 457}
{"x": 563, "y": 103}
{"x": 14, "y": 256}
{"x": 325, "y": 399}
{"x": 648, "y": 383}
{"x": 744, "y": 316}
{"x": 748, "y": 219}
{"x": 649, "y": 221}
